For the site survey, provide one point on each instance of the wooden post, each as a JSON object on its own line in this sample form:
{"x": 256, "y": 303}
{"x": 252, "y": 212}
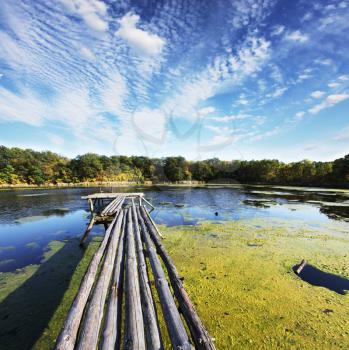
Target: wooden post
{"x": 198, "y": 332}
{"x": 91, "y": 205}
{"x": 152, "y": 330}
{"x": 134, "y": 326}
{"x": 175, "y": 326}
{"x": 88, "y": 229}
{"x": 301, "y": 266}
{"x": 67, "y": 337}
{"x": 112, "y": 325}
{"x": 88, "y": 338}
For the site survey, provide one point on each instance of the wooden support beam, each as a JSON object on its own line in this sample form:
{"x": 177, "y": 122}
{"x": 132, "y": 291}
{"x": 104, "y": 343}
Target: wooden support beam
{"x": 67, "y": 337}
{"x": 112, "y": 324}
{"x": 152, "y": 331}
{"x": 90, "y": 204}
{"x": 148, "y": 202}
{"x": 89, "y": 332}
{"x": 88, "y": 229}
{"x": 198, "y": 332}
{"x": 134, "y": 327}
{"x": 175, "y": 326}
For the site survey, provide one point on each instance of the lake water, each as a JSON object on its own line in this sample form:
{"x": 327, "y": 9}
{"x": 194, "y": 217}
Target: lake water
{"x": 31, "y": 219}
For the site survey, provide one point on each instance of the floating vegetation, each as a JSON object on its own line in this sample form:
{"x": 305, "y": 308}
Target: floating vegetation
{"x": 32, "y": 245}
{"x": 56, "y": 211}
{"x": 28, "y": 219}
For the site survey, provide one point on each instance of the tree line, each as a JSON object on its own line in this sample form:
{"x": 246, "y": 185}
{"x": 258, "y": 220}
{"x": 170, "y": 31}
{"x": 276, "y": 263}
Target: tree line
{"x": 25, "y": 166}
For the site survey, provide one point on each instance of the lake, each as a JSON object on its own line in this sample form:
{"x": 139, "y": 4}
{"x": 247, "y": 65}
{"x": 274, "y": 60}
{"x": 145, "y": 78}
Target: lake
{"x": 235, "y": 246}
{"x": 31, "y": 219}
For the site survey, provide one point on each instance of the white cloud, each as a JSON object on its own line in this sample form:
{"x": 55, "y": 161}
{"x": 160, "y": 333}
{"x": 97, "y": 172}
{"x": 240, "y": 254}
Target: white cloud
{"x": 206, "y": 110}
{"x": 330, "y": 101}
{"x": 228, "y": 118}
{"x": 299, "y": 115}
{"x": 87, "y": 53}
{"x": 279, "y": 29}
{"x": 324, "y": 62}
{"x": 297, "y": 36}
{"x": 278, "y": 92}
{"x": 344, "y": 77}
{"x": 92, "y": 12}
{"x": 317, "y": 94}
{"x": 139, "y": 40}
{"x": 219, "y": 129}
{"x": 334, "y": 85}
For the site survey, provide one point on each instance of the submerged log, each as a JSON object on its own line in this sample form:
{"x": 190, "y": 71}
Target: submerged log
{"x": 88, "y": 338}
{"x": 151, "y": 325}
{"x": 198, "y": 332}
{"x": 134, "y": 326}
{"x": 112, "y": 323}
{"x": 178, "y": 335}
{"x": 67, "y": 338}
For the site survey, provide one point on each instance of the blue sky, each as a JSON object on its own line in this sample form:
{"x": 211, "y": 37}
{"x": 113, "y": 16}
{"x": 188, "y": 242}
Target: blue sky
{"x": 238, "y": 79}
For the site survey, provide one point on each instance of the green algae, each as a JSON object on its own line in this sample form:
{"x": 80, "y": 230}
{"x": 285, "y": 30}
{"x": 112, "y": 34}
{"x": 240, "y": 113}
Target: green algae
{"x": 250, "y": 298}
{"x": 32, "y": 245}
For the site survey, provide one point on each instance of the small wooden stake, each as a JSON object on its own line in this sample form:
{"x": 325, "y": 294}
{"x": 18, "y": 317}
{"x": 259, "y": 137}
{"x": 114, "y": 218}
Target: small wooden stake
{"x": 301, "y": 266}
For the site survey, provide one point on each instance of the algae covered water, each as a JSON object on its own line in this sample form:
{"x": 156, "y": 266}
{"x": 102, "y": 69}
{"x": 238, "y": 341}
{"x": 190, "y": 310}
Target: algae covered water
{"x": 31, "y": 219}
{"x": 235, "y": 246}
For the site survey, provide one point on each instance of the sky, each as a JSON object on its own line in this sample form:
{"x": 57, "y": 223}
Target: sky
{"x": 233, "y": 79}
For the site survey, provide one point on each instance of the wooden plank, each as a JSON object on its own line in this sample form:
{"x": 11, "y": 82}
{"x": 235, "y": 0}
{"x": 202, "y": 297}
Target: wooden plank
{"x": 198, "y": 332}
{"x": 67, "y": 337}
{"x": 118, "y": 207}
{"x": 175, "y": 326}
{"x": 112, "y": 325}
{"x": 111, "y": 205}
{"x": 134, "y": 327}
{"x": 152, "y": 331}
{"x": 90, "y": 327}
{"x": 111, "y": 195}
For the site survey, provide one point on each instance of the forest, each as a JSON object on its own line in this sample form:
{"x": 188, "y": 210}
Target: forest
{"x": 26, "y": 166}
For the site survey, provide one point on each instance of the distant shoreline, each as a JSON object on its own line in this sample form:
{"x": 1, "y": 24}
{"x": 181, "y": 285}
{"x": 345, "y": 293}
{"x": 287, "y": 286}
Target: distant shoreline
{"x": 193, "y": 184}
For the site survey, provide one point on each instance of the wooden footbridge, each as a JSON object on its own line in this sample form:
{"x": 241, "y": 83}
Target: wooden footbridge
{"x": 115, "y": 305}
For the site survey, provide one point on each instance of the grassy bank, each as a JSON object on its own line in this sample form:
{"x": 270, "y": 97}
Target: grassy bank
{"x": 238, "y": 274}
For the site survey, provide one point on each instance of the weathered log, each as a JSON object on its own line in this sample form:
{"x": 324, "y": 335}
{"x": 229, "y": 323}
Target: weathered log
{"x": 134, "y": 326}
{"x": 111, "y": 205}
{"x": 67, "y": 338}
{"x": 90, "y": 204}
{"x": 178, "y": 335}
{"x": 152, "y": 331}
{"x": 200, "y": 336}
{"x": 301, "y": 266}
{"x": 90, "y": 327}
{"x": 112, "y": 323}
{"x": 88, "y": 229}
{"x": 148, "y": 202}
{"x": 153, "y": 223}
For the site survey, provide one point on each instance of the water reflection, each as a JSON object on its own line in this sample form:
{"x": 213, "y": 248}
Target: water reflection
{"x": 30, "y": 219}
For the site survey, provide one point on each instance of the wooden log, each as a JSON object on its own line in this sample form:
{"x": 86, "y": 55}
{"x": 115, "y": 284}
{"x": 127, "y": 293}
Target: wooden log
{"x": 153, "y": 223}
{"x": 90, "y": 327}
{"x": 178, "y": 335}
{"x": 90, "y": 204}
{"x": 114, "y": 202}
{"x": 119, "y": 206}
{"x": 112, "y": 324}
{"x": 301, "y": 266}
{"x": 67, "y": 337}
{"x": 148, "y": 202}
{"x": 88, "y": 229}
{"x": 152, "y": 331}
{"x": 134, "y": 327}
{"x": 200, "y": 336}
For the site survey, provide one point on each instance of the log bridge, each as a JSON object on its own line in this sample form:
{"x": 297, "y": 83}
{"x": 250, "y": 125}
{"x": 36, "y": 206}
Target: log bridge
{"x": 117, "y": 306}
